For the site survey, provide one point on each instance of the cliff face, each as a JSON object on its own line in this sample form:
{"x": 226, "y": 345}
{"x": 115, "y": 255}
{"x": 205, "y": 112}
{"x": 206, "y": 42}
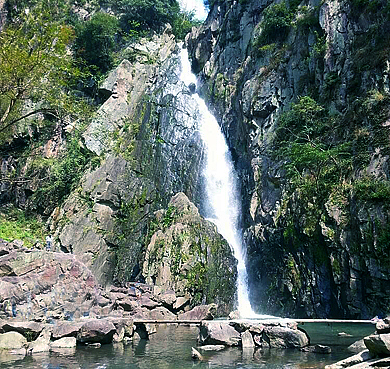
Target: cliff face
{"x": 301, "y": 90}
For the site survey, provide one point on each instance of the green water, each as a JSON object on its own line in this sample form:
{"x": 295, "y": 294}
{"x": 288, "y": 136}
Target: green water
{"x": 170, "y": 348}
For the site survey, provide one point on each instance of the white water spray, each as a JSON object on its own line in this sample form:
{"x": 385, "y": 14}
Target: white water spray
{"x": 222, "y": 204}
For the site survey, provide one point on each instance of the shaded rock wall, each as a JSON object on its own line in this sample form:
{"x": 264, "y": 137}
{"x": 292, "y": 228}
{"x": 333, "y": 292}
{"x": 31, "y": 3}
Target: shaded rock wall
{"x": 339, "y": 269}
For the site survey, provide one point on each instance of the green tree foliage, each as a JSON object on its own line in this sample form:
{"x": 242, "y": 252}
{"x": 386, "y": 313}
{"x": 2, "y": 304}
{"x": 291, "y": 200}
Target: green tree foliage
{"x": 317, "y": 162}
{"x": 275, "y": 24}
{"x": 96, "y": 41}
{"x": 183, "y": 23}
{"x": 150, "y": 14}
{"x": 34, "y": 66}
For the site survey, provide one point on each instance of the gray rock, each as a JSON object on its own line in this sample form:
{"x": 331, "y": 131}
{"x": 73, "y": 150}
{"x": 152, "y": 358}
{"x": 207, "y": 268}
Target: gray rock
{"x": 201, "y": 312}
{"x": 96, "y": 331}
{"x": 66, "y": 329}
{"x": 351, "y": 361}
{"x": 357, "y": 346}
{"x": 29, "y": 328}
{"x": 218, "y": 333}
{"x": 378, "y": 344}
{"x": 212, "y": 347}
{"x": 42, "y": 343}
{"x": 65, "y": 342}
{"x": 247, "y": 340}
{"x": 383, "y": 326}
{"x": 282, "y": 337}
{"x": 195, "y": 354}
{"x": 12, "y": 341}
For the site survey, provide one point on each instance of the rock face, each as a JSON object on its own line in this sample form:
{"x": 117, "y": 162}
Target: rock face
{"x": 147, "y": 131}
{"x": 321, "y": 253}
{"x": 188, "y": 255}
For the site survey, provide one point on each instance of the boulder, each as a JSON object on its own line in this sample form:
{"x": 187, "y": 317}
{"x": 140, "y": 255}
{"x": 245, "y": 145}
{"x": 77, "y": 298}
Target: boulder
{"x": 201, "y": 312}
{"x": 357, "y": 346}
{"x": 283, "y": 337}
{"x": 42, "y": 343}
{"x": 147, "y": 302}
{"x": 96, "y": 331}
{"x": 378, "y": 344}
{"x": 218, "y": 333}
{"x": 66, "y": 329}
{"x": 234, "y": 315}
{"x": 66, "y": 342}
{"x": 161, "y": 313}
{"x": 383, "y": 326}
{"x": 12, "y": 341}
{"x": 317, "y": 349}
{"x": 168, "y": 298}
{"x": 350, "y": 361}
{"x": 247, "y": 340}
{"x": 181, "y": 302}
{"x": 26, "y": 328}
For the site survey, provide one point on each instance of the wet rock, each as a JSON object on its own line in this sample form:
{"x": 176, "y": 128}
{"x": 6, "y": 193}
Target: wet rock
{"x": 212, "y": 347}
{"x": 283, "y": 337}
{"x": 317, "y": 349}
{"x": 217, "y": 333}
{"x": 234, "y": 315}
{"x": 96, "y": 331}
{"x": 12, "y": 340}
{"x": 383, "y": 326}
{"x": 42, "y": 343}
{"x": 195, "y": 354}
{"x": 351, "y": 361}
{"x": 65, "y": 342}
{"x": 357, "y": 346}
{"x": 378, "y": 344}
{"x": 247, "y": 340}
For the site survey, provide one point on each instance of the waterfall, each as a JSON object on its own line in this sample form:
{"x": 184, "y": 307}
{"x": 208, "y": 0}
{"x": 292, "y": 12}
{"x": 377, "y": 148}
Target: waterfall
{"x": 222, "y": 204}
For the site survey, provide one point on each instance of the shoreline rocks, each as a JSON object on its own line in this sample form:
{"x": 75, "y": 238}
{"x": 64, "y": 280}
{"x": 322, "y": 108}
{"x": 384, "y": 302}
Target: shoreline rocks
{"x": 376, "y": 352}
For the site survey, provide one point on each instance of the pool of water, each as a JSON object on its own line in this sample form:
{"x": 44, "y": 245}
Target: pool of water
{"x": 170, "y": 348}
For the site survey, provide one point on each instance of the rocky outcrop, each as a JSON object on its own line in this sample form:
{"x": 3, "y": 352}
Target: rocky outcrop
{"x": 147, "y": 129}
{"x": 189, "y": 256}
{"x": 321, "y": 255}
{"x": 375, "y": 353}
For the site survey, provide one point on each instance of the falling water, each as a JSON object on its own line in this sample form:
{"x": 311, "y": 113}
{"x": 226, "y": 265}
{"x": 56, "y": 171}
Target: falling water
{"x": 222, "y": 204}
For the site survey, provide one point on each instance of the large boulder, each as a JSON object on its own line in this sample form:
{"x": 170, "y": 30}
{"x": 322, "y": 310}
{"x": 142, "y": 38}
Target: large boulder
{"x": 27, "y": 328}
{"x": 42, "y": 343}
{"x": 383, "y": 326}
{"x": 96, "y": 331}
{"x": 378, "y": 344}
{"x": 201, "y": 312}
{"x": 284, "y": 337}
{"x": 12, "y": 340}
{"x": 217, "y": 333}
{"x": 66, "y": 329}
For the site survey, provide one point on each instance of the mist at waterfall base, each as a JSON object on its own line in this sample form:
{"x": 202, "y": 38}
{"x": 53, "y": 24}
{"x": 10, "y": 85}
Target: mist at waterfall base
{"x": 222, "y": 205}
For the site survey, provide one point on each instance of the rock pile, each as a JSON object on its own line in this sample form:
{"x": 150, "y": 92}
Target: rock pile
{"x": 46, "y": 287}
{"x": 377, "y": 353}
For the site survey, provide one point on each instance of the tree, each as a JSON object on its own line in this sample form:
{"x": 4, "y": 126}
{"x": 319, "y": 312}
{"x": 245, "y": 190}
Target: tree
{"x": 34, "y": 66}
{"x": 150, "y": 14}
{"x": 95, "y": 41}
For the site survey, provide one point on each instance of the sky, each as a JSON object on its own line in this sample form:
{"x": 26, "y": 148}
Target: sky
{"x": 197, "y": 6}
